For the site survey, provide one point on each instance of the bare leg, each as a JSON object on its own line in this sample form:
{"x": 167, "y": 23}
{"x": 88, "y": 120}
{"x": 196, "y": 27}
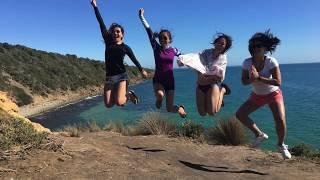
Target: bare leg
{"x": 201, "y": 102}
{"x": 278, "y": 112}
{"x": 159, "y": 93}
{"x": 170, "y": 104}
{"x": 215, "y": 98}
{"x": 219, "y": 102}
{"x": 120, "y": 95}
{"x": 243, "y": 115}
{"x": 108, "y": 95}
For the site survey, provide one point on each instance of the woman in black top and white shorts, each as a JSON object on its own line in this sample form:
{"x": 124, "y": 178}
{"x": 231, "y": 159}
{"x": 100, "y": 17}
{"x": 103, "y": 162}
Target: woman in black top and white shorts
{"x": 115, "y": 89}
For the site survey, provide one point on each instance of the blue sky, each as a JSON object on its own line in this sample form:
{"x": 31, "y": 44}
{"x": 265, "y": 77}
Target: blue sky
{"x": 69, "y": 26}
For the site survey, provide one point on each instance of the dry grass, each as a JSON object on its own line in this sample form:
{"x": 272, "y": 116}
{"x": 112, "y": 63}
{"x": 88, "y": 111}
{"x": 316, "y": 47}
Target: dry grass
{"x": 93, "y": 126}
{"x": 152, "y": 123}
{"x": 227, "y": 132}
{"x": 73, "y": 131}
{"x": 77, "y": 129}
{"x": 117, "y": 126}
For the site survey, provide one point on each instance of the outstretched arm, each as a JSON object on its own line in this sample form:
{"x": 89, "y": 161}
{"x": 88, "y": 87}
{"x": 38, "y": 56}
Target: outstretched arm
{"x": 136, "y": 62}
{"x": 148, "y": 28}
{"x": 103, "y": 27}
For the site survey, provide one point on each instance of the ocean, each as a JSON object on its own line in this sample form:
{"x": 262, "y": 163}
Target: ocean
{"x": 300, "y": 86}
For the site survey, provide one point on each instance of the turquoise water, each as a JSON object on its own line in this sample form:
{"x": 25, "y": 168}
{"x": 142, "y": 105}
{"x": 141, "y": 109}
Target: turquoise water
{"x": 300, "y": 86}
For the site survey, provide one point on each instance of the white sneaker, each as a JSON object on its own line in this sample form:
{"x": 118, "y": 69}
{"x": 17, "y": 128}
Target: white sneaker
{"x": 259, "y": 140}
{"x": 283, "y": 149}
{"x": 133, "y": 97}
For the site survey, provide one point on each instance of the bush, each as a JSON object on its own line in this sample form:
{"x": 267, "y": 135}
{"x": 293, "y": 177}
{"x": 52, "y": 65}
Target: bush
{"x": 191, "y": 129}
{"x": 21, "y": 97}
{"x": 305, "y": 150}
{"x": 16, "y": 132}
{"x": 227, "y": 132}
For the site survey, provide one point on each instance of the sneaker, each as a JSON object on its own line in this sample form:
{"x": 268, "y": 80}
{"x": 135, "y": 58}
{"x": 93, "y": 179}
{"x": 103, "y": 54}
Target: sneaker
{"x": 259, "y": 140}
{"x": 183, "y": 115}
{"x": 283, "y": 149}
{"x": 133, "y": 97}
{"x": 226, "y": 87}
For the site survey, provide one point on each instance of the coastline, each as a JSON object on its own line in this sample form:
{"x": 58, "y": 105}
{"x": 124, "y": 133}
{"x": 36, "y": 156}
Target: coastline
{"x": 57, "y": 100}
{"x": 60, "y": 99}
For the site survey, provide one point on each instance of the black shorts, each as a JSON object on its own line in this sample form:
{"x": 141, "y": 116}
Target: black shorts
{"x": 168, "y": 84}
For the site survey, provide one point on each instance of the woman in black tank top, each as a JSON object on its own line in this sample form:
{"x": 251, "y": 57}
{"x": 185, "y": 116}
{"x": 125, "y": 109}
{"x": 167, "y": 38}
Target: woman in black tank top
{"x": 115, "y": 89}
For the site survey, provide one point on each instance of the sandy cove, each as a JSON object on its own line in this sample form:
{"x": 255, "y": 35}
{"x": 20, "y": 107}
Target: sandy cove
{"x": 58, "y": 99}
{"x": 107, "y": 155}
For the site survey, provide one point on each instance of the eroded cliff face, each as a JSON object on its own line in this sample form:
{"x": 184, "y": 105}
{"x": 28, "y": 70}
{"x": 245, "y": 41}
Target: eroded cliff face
{"x": 7, "y": 105}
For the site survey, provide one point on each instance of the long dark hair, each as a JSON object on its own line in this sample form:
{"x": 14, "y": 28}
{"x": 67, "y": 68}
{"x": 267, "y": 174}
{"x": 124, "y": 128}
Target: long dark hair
{"x": 268, "y": 40}
{"x": 226, "y": 37}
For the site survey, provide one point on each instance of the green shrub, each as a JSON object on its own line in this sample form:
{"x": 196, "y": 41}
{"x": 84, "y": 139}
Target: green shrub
{"x": 21, "y": 97}
{"x": 305, "y": 150}
{"x": 191, "y": 129}
{"x": 16, "y": 132}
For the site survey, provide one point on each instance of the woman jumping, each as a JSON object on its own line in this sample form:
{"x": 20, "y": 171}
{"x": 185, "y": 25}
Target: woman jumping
{"x": 116, "y": 77}
{"x": 164, "y": 54}
{"x": 263, "y": 73}
{"x": 211, "y": 67}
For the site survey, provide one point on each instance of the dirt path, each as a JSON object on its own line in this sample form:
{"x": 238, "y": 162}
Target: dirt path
{"x": 106, "y": 155}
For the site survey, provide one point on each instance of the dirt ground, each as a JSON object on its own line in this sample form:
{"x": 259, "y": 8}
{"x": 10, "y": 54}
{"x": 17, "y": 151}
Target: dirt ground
{"x": 107, "y": 155}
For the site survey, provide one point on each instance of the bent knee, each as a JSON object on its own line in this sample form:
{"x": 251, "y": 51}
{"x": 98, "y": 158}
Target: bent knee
{"x": 108, "y": 105}
{"x": 120, "y": 102}
{"x": 159, "y": 95}
{"x": 202, "y": 113}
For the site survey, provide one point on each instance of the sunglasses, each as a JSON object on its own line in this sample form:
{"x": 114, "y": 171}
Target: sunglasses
{"x": 257, "y": 45}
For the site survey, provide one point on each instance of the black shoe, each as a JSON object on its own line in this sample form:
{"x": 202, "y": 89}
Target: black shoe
{"x": 228, "y": 91}
{"x": 133, "y": 97}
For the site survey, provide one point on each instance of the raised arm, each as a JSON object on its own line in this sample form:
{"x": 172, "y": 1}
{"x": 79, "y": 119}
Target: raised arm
{"x": 148, "y": 28}
{"x": 103, "y": 28}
